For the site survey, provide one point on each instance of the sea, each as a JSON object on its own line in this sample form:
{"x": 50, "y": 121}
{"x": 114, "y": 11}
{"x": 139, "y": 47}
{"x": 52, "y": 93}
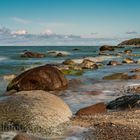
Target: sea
{"x": 84, "y": 90}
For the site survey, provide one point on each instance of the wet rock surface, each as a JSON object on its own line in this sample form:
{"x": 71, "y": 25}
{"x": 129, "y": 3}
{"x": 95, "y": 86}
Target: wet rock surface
{"x": 46, "y": 78}
{"x": 92, "y": 110}
{"x": 33, "y": 55}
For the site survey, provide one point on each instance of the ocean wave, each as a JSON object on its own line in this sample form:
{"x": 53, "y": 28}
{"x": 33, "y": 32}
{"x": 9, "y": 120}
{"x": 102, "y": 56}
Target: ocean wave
{"x": 95, "y": 59}
{"x": 3, "y": 58}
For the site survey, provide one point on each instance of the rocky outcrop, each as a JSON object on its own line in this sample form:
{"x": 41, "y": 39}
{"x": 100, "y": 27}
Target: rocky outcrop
{"x": 33, "y": 55}
{"x": 46, "y": 78}
{"x": 37, "y": 112}
{"x": 92, "y": 110}
{"x": 131, "y": 42}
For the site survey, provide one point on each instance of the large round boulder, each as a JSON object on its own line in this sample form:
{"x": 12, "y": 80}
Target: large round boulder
{"x": 46, "y": 78}
{"x": 37, "y": 111}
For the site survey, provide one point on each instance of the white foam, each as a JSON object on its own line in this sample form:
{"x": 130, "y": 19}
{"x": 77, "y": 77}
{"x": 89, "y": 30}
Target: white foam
{"x": 55, "y": 52}
{"x": 3, "y": 58}
{"x": 95, "y": 59}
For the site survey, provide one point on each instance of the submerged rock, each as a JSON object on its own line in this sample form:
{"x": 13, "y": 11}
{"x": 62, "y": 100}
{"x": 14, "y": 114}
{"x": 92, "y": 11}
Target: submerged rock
{"x": 72, "y": 72}
{"x": 125, "y": 102}
{"x": 116, "y": 76}
{"x": 92, "y": 110}
{"x": 37, "y": 112}
{"x": 46, "y": 78}
{"x": 33, "y": 54}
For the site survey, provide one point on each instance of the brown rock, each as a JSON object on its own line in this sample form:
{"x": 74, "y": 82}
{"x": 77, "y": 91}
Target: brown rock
{"x": 135, "y": 70}
{"x": 107, "y": 48}
{"x": 113, "y": 63}
{"x": 26, "y": 137}
{"x": 92, "y": 110}
{"x": 69, "y": 62}
{"x": 22, "y": 137}
{"x": 127, "y": 51}
{"x": 128, "y": 61}
{"x": 33, "y": 55}
{"x": 135, "y": 76}
{"x": 88, "y": 64}
{"x": 46, "y": 78}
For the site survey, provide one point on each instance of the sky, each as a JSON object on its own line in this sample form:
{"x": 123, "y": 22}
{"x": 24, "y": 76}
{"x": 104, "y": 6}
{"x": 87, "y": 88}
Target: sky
{"x": 68, "y": 22}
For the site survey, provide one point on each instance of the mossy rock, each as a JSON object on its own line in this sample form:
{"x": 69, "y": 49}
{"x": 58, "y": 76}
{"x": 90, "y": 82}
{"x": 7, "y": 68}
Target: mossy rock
{"x": 116, "y": 76}
{"x": 73, "y": 72}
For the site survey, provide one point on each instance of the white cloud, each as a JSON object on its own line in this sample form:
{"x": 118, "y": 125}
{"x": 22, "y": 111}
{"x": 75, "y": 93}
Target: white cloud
{"x": 20, "y": 20}
{"x": 48, "y": 32}
{"x": 48, "y": 37}
{"x": 19, "y": 32}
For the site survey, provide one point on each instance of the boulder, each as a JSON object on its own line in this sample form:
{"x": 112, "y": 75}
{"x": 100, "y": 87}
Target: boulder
{"x": 107, "y": 48}
{"x": 68, "y": 62}
{"x": 116, "y": 76}
{"x": 35, "y": 112}
{"x": 125, "y": 102}
{"x": 127, "y": 51}
{"x": 92, "y": 110}
{"x": 88, "y": 64}
{"x": 33, "y": 54}
{"x": 46, "y": 78}
{"x": 128, "y": 61}
{"x": 113, "y": 63}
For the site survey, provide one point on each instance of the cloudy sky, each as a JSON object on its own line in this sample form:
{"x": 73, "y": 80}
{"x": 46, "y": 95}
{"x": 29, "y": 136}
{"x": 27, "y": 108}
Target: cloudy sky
{"x": 68, "y": 22}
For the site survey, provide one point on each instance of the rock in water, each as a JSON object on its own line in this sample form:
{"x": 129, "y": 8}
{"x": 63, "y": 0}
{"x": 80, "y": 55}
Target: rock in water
{"x": 107, "y": 48}
{"x": 92, "y": 110}
{"x": 37, "y": 112}
{"x": 33, "y": 55}
{"x": 113, "y": 63}
{"x": 124, "y": 102}
{"x": 116, "y": 76}
{"x": 88, "y": 64}
{"x": 46, "y": 78}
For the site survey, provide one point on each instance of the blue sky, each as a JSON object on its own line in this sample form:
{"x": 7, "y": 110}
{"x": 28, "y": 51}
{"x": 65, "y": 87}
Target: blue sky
{"x": 70, "y": 21}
